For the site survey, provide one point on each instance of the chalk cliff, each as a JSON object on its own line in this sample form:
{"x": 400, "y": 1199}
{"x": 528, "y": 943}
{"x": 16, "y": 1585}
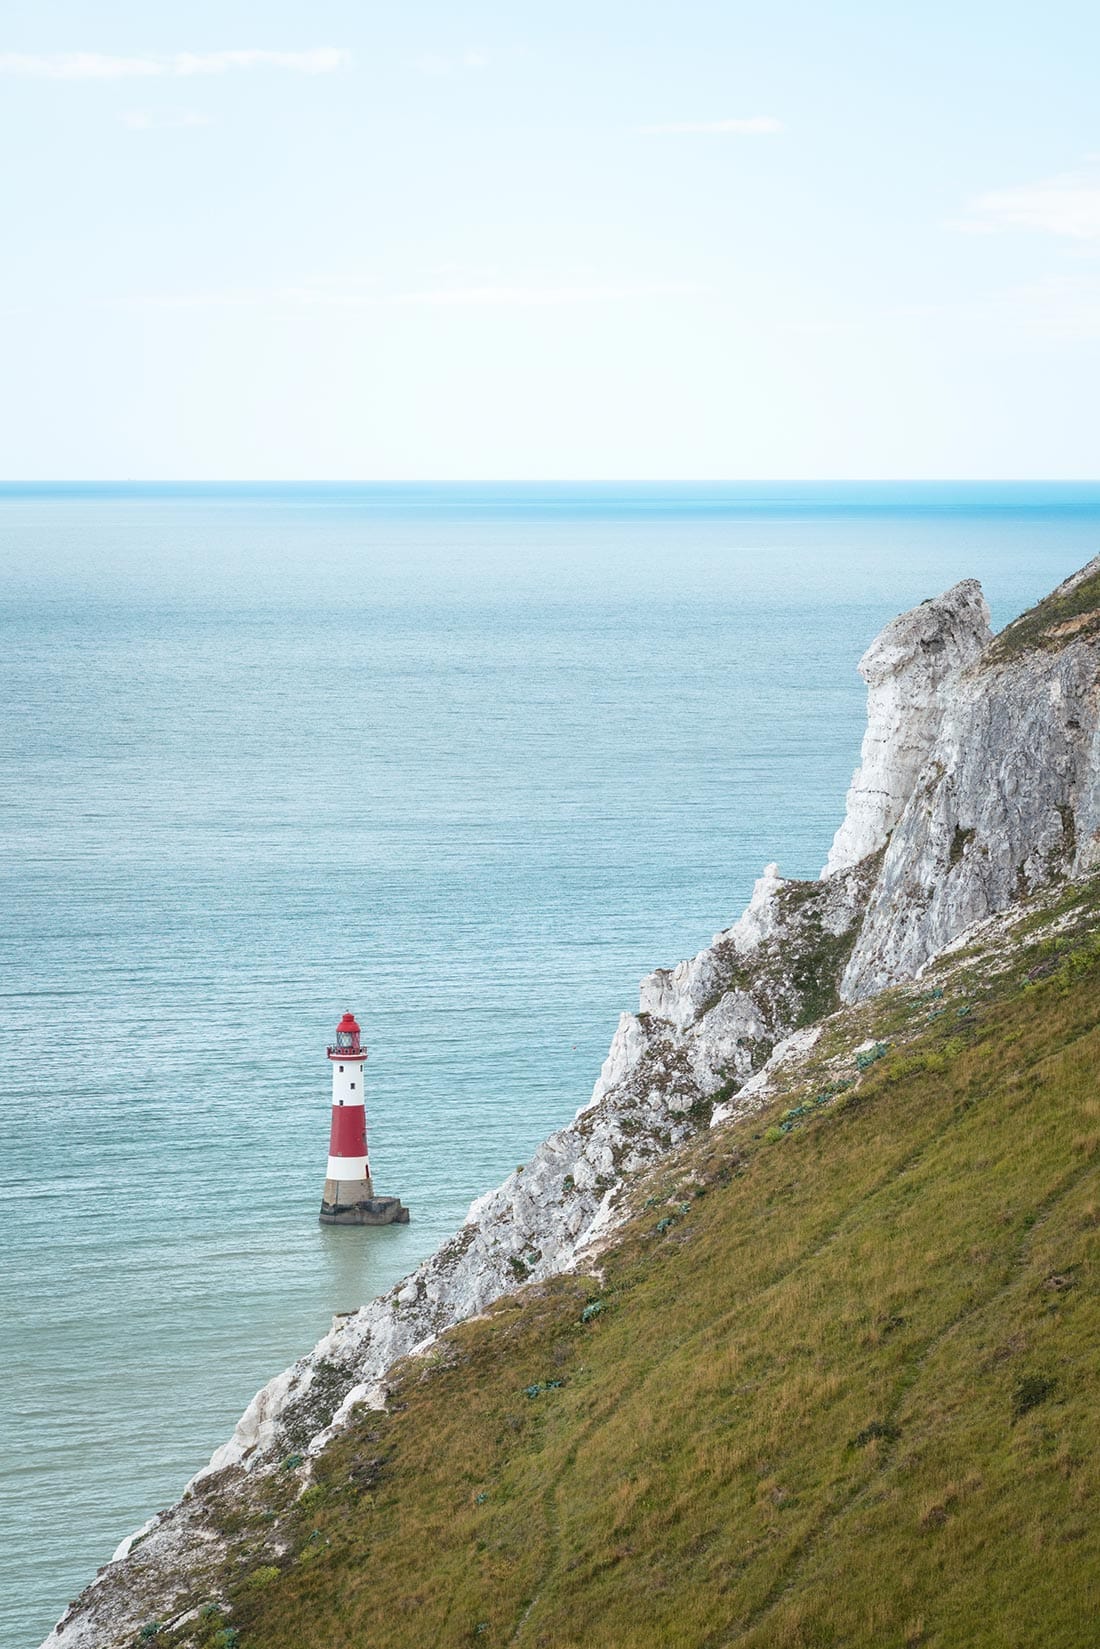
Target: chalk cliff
{"x": 909, "y": 669}
{"x": 979, "y": 781}
{"x": 1008, "y": 797}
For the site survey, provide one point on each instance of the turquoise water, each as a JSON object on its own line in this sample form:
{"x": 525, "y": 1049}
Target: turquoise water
{"x": 466, "y": 760}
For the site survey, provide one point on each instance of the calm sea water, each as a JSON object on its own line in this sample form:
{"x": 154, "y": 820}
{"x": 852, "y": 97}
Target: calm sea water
{"x": 466, "y": 760}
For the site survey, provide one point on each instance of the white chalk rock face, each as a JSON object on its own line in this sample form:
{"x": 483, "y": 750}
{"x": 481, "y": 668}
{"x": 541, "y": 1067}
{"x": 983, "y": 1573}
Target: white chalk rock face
{"x": 679, "y": 995}
{"x": 717, "y": 1025}
{"x": 760, "y": 1086}
{"x": 760, "y": 917}
{"x": 720, "y": 1047}
{"x": 1007, "y": 802}
{"x": 910, "y": 669}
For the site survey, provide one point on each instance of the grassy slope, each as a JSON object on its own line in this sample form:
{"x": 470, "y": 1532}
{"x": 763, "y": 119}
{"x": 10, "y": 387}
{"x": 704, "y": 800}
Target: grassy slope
{"x": 1064, "y": 616}
{"x": 800, "y": 1415}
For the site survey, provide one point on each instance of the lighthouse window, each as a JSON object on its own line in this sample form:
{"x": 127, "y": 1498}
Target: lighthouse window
{"x": 341, "y": 1068}
{"x": 353, "y": 1084}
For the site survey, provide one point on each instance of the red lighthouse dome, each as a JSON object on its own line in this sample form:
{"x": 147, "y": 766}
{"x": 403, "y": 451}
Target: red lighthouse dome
{"x": 347, "y": 1045}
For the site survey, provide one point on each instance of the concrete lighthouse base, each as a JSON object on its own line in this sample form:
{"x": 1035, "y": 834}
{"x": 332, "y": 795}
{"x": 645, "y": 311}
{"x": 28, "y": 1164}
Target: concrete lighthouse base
{"x": 353, "y": 1202}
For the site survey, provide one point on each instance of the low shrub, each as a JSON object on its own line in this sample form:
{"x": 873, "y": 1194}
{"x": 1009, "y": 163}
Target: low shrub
{"x": 263, "y": 1576}
{"x": 1031, "y": 1390}
{"x": 878, "y": 1429}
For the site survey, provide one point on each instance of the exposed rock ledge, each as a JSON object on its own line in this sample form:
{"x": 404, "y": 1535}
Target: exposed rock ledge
{"x": 1008, "y": 797}
{"x": 979, "y": 781}
{"x": 909, "y": 669}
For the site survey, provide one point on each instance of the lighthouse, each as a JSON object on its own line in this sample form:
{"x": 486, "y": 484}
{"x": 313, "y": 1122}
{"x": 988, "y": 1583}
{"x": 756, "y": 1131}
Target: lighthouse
{"x": 349, "y": 1197}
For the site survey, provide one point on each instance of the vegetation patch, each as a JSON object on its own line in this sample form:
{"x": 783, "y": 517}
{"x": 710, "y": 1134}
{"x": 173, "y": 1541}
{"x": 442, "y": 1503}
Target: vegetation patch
{"x": 877, "y": 1431}
{"x": 263, "y": 1576}
{"x": 541, "y": 1386}
{"x": 1051, "y": 625}
{"x": 960, "y": 841}
{"x": 1032, "y": 1390}
{"x": 797, "y": 1114}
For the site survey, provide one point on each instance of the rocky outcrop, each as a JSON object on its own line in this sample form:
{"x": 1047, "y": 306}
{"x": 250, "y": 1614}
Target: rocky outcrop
{"x": 978, "y": 782}
{"x": 719, "y": 1016}
{"x": 1008, "y": 798}
{"x": 910, "y": 670}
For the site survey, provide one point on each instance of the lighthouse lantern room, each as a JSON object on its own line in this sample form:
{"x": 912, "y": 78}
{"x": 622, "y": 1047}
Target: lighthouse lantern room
{"x": 349, "y": 1197}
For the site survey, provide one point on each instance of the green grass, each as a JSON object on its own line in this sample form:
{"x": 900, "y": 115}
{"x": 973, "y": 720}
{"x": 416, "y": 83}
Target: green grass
{"x": 836, "y": 1384}
{"x": 1051, "y": 624}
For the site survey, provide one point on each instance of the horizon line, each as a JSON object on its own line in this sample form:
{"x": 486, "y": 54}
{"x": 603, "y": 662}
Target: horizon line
{"x": 550, "y": 481}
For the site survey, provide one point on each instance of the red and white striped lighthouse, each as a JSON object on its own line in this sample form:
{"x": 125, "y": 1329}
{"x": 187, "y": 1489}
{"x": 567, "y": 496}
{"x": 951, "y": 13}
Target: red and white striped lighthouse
{"x": 348, "y": 1175}
{"x": 349, "y": 1197}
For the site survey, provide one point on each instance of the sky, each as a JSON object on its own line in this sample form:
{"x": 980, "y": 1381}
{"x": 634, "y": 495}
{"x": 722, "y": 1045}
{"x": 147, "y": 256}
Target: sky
{"x": 598, "y": 239}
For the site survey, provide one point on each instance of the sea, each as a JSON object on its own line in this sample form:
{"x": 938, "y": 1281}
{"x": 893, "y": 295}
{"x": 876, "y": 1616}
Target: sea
{"x": 467, "y": 760}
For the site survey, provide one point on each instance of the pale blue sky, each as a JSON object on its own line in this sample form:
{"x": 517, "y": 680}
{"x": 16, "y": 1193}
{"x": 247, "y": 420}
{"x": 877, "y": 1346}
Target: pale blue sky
{"x": 599, "y": 239}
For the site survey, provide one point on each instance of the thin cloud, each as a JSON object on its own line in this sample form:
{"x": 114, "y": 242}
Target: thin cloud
{"x": 100, "y": 66}
{"x": 742, "y": 126}
{"x": 1067, "y": 206}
